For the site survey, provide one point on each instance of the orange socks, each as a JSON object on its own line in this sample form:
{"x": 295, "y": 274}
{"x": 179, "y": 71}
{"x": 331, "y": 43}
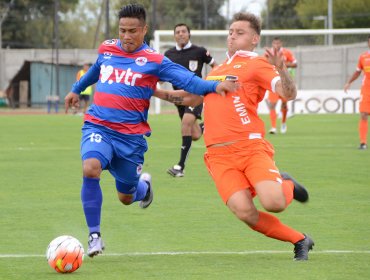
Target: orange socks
{"x": 273, "y": 118}
{"x": 271, "y": 226}
{"x": 362, "y": 127}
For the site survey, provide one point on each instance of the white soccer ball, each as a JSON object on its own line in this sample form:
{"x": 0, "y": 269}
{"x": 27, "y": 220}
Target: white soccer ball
{"x": 65, "y": 254}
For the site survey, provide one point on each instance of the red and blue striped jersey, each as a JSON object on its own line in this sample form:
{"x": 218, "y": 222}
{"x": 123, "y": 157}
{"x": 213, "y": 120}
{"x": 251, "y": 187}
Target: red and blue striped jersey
{"x": 125, "y": 83}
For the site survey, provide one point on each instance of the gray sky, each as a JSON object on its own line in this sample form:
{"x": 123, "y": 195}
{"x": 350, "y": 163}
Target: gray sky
{"x": 253, "y": 6}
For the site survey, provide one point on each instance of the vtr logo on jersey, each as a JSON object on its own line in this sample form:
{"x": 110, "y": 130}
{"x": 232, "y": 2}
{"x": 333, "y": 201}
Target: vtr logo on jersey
{"x": 108, "y": 73}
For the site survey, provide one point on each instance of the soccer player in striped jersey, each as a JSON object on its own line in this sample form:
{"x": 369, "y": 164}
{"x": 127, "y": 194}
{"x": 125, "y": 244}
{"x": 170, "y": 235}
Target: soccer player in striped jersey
{"x": 115, "y": 126}
{"x": 363, "y": 65}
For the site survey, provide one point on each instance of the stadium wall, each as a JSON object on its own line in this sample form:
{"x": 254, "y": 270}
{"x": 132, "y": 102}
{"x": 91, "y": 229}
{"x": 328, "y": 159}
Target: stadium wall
{"x": 321, "y": 69}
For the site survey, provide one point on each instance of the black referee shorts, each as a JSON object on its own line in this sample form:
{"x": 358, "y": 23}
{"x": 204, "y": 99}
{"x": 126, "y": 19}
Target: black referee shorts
{"x": 196, "y": 111}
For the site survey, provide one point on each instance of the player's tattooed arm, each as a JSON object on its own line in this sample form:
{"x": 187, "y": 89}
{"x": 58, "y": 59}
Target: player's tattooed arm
{"x": 289, "y": 90}
{"x": 177, "y": 100}
{"x": 286, "y": 86}
{"x": 179, "y": 97}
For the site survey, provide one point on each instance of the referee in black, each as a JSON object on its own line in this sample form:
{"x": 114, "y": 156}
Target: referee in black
{"x": 193, "y": 58}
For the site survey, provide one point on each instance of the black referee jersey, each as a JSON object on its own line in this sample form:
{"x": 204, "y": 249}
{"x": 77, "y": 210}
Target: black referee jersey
{"x": 191, "y": 58}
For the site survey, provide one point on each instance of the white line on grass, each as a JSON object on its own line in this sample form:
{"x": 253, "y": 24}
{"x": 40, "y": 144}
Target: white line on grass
{"x": 158, "y": 147}
{"x": 39, "y": 149}
{"x": 4, "y": 256}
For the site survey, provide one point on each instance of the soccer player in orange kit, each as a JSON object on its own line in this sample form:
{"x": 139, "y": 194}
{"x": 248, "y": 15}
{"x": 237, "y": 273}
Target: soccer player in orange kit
{"x": 238, "y": 157}
{"x": 273, "y": 97}
{"x": 363, "y": 65}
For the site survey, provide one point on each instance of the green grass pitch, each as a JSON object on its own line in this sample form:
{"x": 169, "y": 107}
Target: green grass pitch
{"x": 187, "y": 233}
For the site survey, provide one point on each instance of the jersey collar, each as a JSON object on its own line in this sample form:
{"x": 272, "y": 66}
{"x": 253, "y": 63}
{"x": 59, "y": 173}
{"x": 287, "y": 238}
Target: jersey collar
{"x": 240, "y": 53}
{"x": 187, "y": 46}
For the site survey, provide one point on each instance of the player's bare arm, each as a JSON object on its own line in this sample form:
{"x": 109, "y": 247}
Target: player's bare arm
{"x": 285, "y": 87}
{"x": 71, "y": 100}
{"x": 179, "y": 97}
{"x": 355, "y": 75}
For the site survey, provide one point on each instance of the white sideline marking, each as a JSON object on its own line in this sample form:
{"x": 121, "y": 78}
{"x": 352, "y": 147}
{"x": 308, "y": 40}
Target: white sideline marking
{"x": 39, "y": 149}
{"x": 193, "y": 146}
{"x": 4, "y": 256}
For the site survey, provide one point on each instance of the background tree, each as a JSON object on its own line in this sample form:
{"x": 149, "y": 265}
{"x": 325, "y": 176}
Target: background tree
{"x": 30, "y": 23}
{"x": 346, "y": 14}
{"x": 198, "y": 14}
{"x": 281, "y": 14}
{"x": 84, "y": 27}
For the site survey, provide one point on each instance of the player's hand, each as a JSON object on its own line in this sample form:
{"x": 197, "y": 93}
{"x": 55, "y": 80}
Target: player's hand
{"x": 346, "y": 87}
{"x": 71, "y": 100}
{"x": 227, "y": 86}
{"x": 275, "y": 57}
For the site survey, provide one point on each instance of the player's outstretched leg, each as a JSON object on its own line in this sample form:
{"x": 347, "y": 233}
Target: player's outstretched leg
{"x": 95, "y": 244}
{"x": 149, "y": 194}
{"x": 299, "y": 193}
{"x": 302, "y": 247}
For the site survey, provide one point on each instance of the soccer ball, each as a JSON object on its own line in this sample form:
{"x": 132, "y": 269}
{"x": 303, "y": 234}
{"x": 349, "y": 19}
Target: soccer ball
{"x": 65, "y": 254}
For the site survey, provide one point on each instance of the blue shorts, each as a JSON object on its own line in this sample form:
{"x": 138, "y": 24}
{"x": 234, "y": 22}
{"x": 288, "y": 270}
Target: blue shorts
{"x": 122, "y": 155}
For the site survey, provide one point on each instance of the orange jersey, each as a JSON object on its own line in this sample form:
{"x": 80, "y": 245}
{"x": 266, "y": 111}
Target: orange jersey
{"x": 79, "y": 74}
{"x": 88, "y": 90}
{"x": 364, "y": 65}
{"x": 234, "y": 117}
{"x": 288, "y": 55}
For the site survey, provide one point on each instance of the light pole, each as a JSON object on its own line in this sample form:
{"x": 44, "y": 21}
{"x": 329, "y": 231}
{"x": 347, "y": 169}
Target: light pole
{"x": 56, "y": 44}
{"x": 107, "y": 36}
{"x": 325, "y": 19}
{"x": 330, "y": 20}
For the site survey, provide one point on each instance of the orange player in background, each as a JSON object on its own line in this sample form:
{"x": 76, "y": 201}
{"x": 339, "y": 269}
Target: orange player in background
{"x": 238, "y": 157}
{"x": 363, "y": 65}
{"x": 273, "y": 97}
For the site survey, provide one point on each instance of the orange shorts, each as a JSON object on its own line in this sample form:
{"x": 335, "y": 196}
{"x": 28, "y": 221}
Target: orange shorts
{"x": 365, "y": 102}
{"x": 274, "y": 97}
{"x": 240, "y": 166}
